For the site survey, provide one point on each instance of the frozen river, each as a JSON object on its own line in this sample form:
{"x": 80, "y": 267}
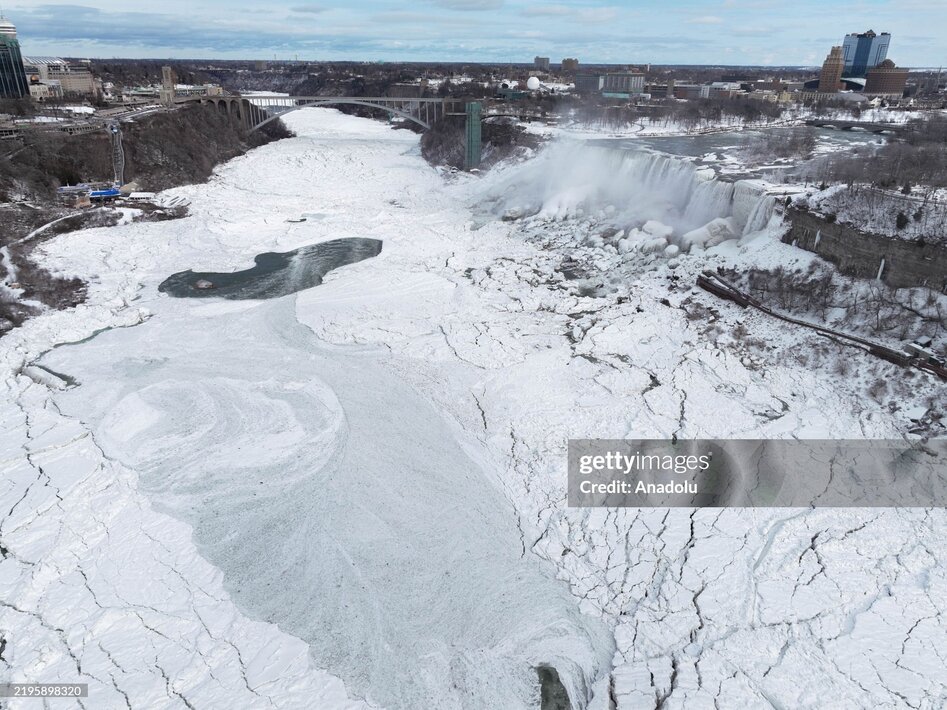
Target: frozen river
{"x": 354, "y": 494}
{"x": 338, "y": 504}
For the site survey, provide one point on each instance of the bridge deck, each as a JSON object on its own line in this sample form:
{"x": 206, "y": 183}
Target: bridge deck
{"x": 423, "y": 111}
{"x": 869, "y": 126}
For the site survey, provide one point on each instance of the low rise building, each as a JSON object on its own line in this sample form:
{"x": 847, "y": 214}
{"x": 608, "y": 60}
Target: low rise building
{"x": 74, "y": 79}
{"x": 140, "y": 93}
{"x": 622, "y": 84}
{"x": 690, "y": 91}
{"x": 198, "y": 90}
{"x": 511, "y": 93}
{"x": 659, "y": 91}
{"x": 886, "y": 80}
{"x": 45, "y": 91}
{"x": 586, "y": 83}
{"x": 770, "y": 96}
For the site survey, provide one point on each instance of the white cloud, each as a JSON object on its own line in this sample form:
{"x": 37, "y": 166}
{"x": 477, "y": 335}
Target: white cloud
{"x": 598, "y": 14}
{"x": 469, "y": 5}
{"x": 705, "y": 20}
{"x": 546, "y": 11}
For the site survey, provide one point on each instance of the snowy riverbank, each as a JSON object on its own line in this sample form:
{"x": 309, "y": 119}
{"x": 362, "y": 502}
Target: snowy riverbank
{"x": 647, "y": 126}
{"x": 357, "y": 492}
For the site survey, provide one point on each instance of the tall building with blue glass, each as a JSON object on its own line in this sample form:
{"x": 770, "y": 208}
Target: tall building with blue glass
{"x": 864, "y": 51}
{"x": 13, "y": 83}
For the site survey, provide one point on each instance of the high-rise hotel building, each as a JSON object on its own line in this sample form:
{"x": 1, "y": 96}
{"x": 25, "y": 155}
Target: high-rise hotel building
{"x": 12, "y": 75}
{"x": 830, "y": 78}
{"x": 864, "y": 51}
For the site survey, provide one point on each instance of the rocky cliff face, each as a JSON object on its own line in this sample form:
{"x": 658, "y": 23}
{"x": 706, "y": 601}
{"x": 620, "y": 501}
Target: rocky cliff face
{"x": 900, "y": 262}
{"x": 161, "y": 150}
{"x": 185, "y": 146}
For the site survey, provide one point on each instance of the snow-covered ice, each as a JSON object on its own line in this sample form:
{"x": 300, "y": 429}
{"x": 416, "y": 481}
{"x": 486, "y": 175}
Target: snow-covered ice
{"x": 356, "y": 494}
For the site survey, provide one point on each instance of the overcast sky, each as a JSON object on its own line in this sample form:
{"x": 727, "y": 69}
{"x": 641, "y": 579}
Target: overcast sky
{"x": 791, "y": 32}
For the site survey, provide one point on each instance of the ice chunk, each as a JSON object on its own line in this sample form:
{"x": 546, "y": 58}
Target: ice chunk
{"x": 657, "y": 229}
{"x": 711, "y": 234}
{"x": 652, "y": 246}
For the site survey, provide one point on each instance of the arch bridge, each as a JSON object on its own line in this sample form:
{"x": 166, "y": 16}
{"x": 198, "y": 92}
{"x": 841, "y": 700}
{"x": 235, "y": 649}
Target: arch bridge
{"x": 857, "y": 125}
{"x": 257, "y": 110}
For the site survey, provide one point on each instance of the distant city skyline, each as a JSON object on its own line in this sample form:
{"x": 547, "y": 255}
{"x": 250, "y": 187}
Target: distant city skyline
{"x": 722, "y": 32}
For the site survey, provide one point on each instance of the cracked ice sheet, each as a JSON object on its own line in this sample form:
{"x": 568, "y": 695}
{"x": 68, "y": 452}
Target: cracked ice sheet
{"x": 97, "y": 587}
{"x": 418, "y": 604}
{"x": 709, "y": 607}
{"x": 479, "y": 333}
{"x": 337, "y": 503}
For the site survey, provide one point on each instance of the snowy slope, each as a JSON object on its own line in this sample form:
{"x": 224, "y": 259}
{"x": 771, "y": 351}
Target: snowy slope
{"x": 376, "y": 466}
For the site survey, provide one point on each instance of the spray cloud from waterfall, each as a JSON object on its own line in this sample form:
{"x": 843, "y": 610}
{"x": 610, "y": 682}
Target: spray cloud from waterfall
{"x": 655, "y": 202}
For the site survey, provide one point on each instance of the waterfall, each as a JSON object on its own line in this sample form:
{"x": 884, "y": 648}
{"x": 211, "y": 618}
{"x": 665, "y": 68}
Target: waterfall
{"x": 711, "y": 199}
{"x": 570, "y": 181}
{"x": 632, "y": 173}
{"x": 752, "y": 207}
{"x": 746, "y": 196}
{"x": 697, "y": 200}
{"x": 759, "y": 217}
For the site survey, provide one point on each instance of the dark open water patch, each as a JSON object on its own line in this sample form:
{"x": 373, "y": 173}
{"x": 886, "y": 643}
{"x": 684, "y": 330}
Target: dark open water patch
{"x": 273, "y": 274}
{"x": 552, "y": 693}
